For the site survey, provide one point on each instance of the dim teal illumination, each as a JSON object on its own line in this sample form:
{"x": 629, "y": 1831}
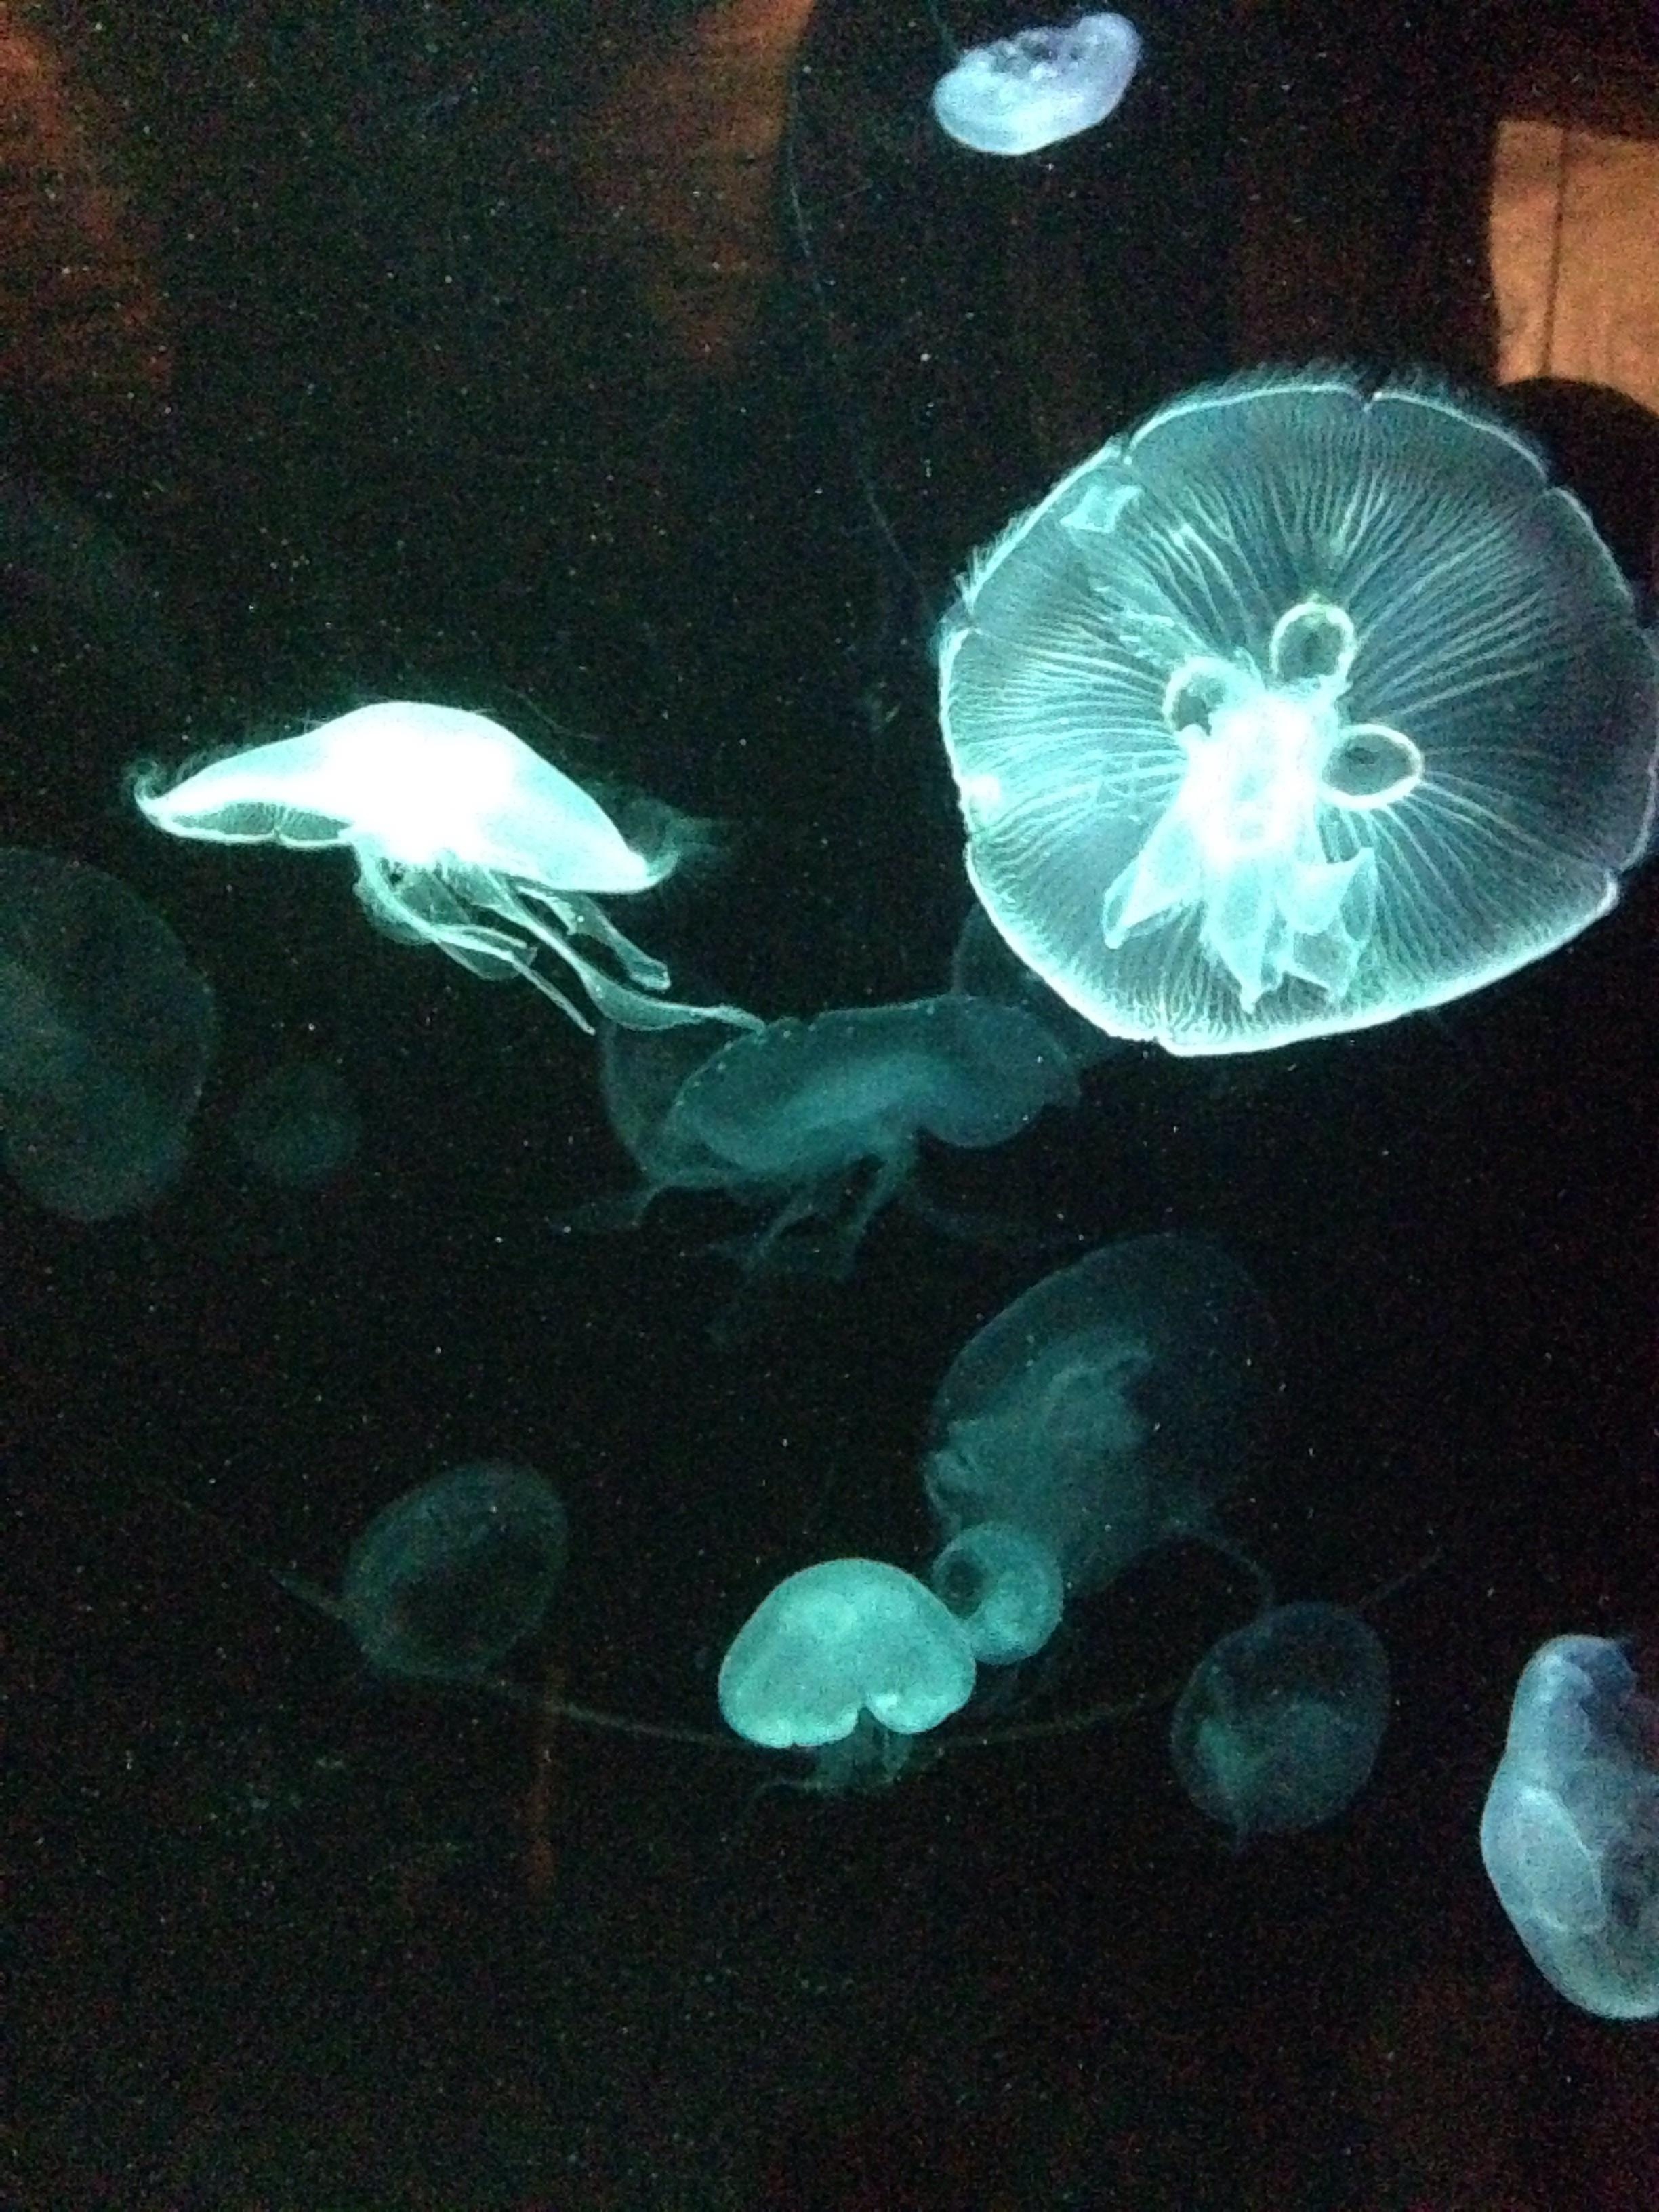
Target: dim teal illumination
{"x": 1571, "y": 1830}
{"x": 1299, "y": 706}
{"x": 449, "y": 1577}
{"x": 822, "y": 1119}
{"x": 464, "y": 839}
{"x": 1006, "y": 1588}
{"x": 1279, "y": 1727}
{"x": 1107, "y": 1408}
{"x": 838, "y": 1647}
{"x": 105, "y": 1031}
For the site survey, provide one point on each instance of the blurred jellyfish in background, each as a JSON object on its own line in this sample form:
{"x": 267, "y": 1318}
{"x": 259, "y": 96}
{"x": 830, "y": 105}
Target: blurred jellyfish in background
{"x": 464, "y": 839}
{"x": 1300, "y": 706}
{"x": 451, "y": 1576}
{"x": 849, "y": 1660}
{"x": 297, "y": 1125}
{"x": 1030, "y": 90}
{"x": 1571, "y": 1830}
{"x": 822, "y": 1120}
{"x": 106, "y": 1032}
{"x": 1278, "y": 1727}
{"x": 1104, "y": 1413}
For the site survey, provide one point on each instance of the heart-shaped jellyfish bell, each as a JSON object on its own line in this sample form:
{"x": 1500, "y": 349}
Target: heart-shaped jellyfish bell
{"x": 1303, "y": 705}
{"x": 1037, "y": 87}
{"x": 1571, "y": 1830}
{"x": 850, "y": 1660}
{"x": 464, "y": 839}
{"x": 1278, "y": 1726}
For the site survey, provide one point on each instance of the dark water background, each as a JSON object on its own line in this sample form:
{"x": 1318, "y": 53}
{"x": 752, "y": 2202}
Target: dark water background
{"x": 422, "y": 437}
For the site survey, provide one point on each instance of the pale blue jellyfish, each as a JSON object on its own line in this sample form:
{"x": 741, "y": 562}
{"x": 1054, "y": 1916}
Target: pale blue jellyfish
{"x": 445, "y": 1581}
{"x": 105, "y": 1031}
{"x": 1108, "y": 1409}
{"x": 1004, "y": 1586}
{"x": 1021, "y": 93}
{"x": 464, "y": 839}
{"x": 1571, "y": 1830}
{"x": 1278, "y": 1727}
{"x": 849, "y": 1660}
{"x": 823, "y": 1118}
{"x": 298, "y": 1124}
{"x": 1300, "y": 706}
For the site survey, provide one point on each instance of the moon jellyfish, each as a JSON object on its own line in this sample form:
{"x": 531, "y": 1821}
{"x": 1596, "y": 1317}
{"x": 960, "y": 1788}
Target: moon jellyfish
{"x": 464, "y": 838}
{"x": 1571, "y": 1830}
{"x": 1021, "y": 93}
{"x": 1279, "y": 1727}
{"x": 1300, "y": 706}
{"x": 297, "y": 1125}
{"x": 788, "y": 1116}
{"x": 1005, "y": 1587}
{"x": 105, "y": 1031}
{"x": 849, "y": 1659}
{"x": 1107, "y": 1408}
{"x": 448, "y": 1578}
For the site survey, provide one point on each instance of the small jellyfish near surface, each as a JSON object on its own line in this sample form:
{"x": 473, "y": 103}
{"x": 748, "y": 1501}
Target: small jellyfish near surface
{"x": 1570, "y": 1834}
{"x": 1108, "y": 1409}
{"x": 445, "y": 1581}
{"x": 297, "y": 1125}
{"x": 1303, "y": 705}
{"x": 106, "y": 1032}
{"x": 464, "y": 838}
{"x": 1278, "y": 1727}
{"x": 1030, "y": 90}
{"x": 790, "y": 1116}
{"x": 850, "y": 1649}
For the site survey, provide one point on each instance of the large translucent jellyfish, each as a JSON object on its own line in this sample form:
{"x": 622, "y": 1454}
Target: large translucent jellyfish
{"x": 1571, "y": 1830}
{"x": 1297, "y": 708}
{"x": 1021, "y": 93}
{"x": 464, "y": 839}
{"x": 105, "y": 1031}
{"x": 789, "y": 1117}
{"x": 850, "y": 1658}
{"x": 1278, "y": 1727}
{"x": 1107, "y": 1408}
{"x": 297, "y": 1125}
{"x": 449, "y": 1577}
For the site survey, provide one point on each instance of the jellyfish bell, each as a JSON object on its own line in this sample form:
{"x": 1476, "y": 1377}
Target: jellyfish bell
{"x": 464, "y": 837}
{"x": 847, "y": 1660}
{"x": 1023, "y": 92}
{"x": 1300, "y": 706}
{"x": 1570, "y": 1832}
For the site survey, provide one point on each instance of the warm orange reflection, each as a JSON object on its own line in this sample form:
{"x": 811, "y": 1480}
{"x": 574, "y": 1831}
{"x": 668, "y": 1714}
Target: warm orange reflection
{"x": 678, "y": 165}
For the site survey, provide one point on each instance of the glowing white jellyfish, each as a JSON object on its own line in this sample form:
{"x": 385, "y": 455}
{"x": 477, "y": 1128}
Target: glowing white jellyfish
{"x": 464, "y": 838}
{"x": 1021, "y": 93}
{"x": 1298, "y": 707}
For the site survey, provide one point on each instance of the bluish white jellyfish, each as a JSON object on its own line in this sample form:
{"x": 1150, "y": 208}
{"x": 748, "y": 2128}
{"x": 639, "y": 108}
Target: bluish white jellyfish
{"x": 1571, "y": 1830}
{"x": 451, "y": 1576}
{"x": 1107, "y": 1408}
{"x": 790, "y": 1116}
{"x": 1021, "y": 93}
{"x": 850, "y": 1658}
{"x": 1297, "y": 708}
{"x": 105, "y": 1031}
{"x": 1004, "y": 1586}
{"x": 1278, "y": 1727}
{"x": 297, "y": 1124}
{"x": 464, "y": 839}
